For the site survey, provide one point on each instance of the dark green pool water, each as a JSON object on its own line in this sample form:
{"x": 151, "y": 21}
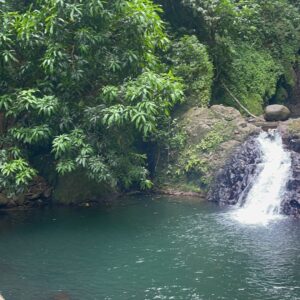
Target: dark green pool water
{"x": 147, "y": 248}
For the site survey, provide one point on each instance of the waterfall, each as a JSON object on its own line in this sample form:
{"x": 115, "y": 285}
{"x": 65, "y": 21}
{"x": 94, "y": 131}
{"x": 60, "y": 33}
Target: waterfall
{"x": 262, "y": 203}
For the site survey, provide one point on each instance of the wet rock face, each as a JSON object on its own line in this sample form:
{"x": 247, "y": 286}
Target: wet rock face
{"x": 38, "y": 194}
{"x": 291, "y": 201}
{"x": 290, "y": 131}
{"x": 234, "y": 180}
{"x": 239, "y": 173}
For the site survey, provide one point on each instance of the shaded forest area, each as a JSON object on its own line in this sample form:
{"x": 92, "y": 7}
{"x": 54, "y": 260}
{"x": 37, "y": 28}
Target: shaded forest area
{"x": 94, "y": 86}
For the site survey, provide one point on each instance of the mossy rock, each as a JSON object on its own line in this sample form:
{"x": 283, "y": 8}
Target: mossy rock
{"x": 76, "y": 188}
{"x": 4, "y": 200}
{"x": 290, "y": 129}
{"x": 294, "y": 126}
{"x": 211, "y": 135}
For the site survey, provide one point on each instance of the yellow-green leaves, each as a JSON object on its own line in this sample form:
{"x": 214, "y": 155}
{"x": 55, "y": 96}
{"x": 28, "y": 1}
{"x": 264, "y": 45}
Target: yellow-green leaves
{"x": 25, "y": 101}
{"x": 144, "y": 101}
{"x": 192, "y": 63}
{"x": 31, "y": 135}
{"x": 83, "y": 82}
{"x": 15, "y": 173}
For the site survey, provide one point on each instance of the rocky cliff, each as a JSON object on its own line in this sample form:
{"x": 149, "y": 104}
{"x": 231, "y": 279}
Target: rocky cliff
{"x": 210, "y": 136}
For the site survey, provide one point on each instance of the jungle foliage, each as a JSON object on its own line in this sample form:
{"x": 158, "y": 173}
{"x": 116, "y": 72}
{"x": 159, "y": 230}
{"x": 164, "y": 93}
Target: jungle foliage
{"x": 252, "y": 43}
{"x": 90, "y": 83}
{"x": 84, "y": 80}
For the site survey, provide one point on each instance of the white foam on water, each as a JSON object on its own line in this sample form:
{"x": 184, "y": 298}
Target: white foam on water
{"x": 262, "y": 204}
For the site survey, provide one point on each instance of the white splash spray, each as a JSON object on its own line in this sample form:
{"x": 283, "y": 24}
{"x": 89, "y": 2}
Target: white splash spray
{"x": 262, "y": 204}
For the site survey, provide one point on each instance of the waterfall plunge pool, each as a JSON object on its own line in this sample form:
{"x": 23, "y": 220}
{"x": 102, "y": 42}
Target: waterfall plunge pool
{"x": 147, "y": 248}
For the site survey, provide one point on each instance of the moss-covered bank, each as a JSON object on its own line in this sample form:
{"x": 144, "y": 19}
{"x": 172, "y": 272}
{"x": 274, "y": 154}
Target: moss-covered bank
{"x": 208, "y": 136}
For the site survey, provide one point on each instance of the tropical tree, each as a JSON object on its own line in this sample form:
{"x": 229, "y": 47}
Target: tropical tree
{"x": 82, "y": 81}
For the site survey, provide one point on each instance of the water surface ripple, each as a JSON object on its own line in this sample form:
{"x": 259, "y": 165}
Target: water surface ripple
{"x": 147, "y": 248}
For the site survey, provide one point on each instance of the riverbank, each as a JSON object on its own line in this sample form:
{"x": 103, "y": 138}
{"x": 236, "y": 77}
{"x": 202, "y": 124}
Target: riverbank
{"x": 211, "y": 137}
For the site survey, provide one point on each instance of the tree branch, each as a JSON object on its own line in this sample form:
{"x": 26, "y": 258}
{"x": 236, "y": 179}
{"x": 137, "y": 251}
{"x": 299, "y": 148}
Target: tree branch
{"x": 239, "y": 103}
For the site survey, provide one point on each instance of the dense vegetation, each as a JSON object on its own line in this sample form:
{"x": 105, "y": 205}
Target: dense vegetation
{"x": 90, "y": 84}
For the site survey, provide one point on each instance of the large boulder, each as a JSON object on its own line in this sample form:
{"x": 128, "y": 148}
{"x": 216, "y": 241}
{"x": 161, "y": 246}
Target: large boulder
{"x": 208, "y": 136}
{"x": 276, "y": 112}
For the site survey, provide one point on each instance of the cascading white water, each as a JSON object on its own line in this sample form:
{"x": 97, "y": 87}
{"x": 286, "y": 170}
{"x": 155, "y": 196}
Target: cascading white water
{"x": 262, "y": 203}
